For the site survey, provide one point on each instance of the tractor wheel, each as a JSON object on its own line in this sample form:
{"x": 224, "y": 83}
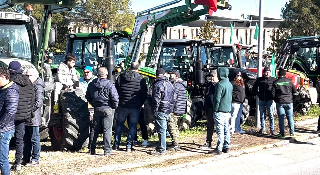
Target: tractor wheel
{"x": 185, "y": 122}
{"x": 55, "y": 135}
{"x": 196, "y": 110}
{"x": 245, "y": 111}
{"x": 44, "y": 133}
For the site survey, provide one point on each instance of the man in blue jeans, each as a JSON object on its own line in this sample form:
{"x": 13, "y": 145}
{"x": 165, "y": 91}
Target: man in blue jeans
{"x": 221, "y": 110}
{"x": 283, "y": 91}
{"x": 103, "y": 96}
{"x": 262, "y": 88}
{"x": 9, "y": 97}
{"x": 162, "y": 106}
{"x": 32, "y": 146}
{"x": 132, "y": 89}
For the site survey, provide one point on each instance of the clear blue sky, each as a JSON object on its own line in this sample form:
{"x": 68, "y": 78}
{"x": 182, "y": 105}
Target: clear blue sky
{"x": 272, "y": 8}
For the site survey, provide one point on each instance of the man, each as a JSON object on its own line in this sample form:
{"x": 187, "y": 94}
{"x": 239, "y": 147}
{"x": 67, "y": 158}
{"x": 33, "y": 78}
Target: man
{"x": 32, "y": 146}
{"x": 25, "y": 105}
{"x": 262, "y": 88}
{"x": 283, "y": 91}
{"x": 179, "y": 107}
{"x": 67, "y": 74}
{"x": 87, "y": 78}
{"x": 208, "y": 103}
{"x": 132, "y": 89}
{"x": 162, "y": 100}
{"x": 221, "y": 110}
{"x": 9, "y": 97}
{"x": 103, "y": 96}
{"x": 318, "y": 100}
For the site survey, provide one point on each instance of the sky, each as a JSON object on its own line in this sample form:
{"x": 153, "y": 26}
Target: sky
{"x": 272, "y": 8}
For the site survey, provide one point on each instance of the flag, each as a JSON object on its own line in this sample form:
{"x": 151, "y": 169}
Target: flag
{"x": 256, "y": 32}
{"x": 212, "y": 4}
{"x": 273, "y": 66}
{"x": 231, "y": 35}
{"x": 241, "y": 42}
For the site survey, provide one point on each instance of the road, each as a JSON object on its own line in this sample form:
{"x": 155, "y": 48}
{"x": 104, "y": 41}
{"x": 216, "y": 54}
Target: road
{"x": 294, "y": 158}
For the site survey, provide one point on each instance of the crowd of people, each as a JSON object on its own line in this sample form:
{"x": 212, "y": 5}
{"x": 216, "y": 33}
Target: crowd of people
{"x": 21, "y": 100}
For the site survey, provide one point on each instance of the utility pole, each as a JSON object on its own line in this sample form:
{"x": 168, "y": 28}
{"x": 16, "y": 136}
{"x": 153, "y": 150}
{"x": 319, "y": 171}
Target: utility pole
{"x": 260, "y": 49}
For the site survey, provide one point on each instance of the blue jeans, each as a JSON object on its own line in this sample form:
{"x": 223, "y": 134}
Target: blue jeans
{"x": 102, "y": 117}
{"x": 285, "y": 109}
{"x": 161, "y": 120}
{"x": 32, "y": 146}
{"x": 234, "y": 114}
{"x": 123, "y": 115}
{"x": 263, "y": 105}
{"x": 5, "y": 138}
{"x": 221, "y": 121}
{"x": 238, "y": 127}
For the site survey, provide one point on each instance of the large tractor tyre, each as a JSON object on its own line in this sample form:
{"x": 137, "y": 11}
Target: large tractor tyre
{"x": 245, "y": 111}
{"x": 185, "y": 122}
{"x": 44, "y": 133}
{"x": 196, "y": 110}
{"x": 55, "y": 135}
{"x": 76, "y": 121}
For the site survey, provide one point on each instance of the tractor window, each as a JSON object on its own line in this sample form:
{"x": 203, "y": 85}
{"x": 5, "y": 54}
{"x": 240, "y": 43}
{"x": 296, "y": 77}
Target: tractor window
{"x": 222, "y": 57}
{"x": 121, "y": 48}
{"x": 308, "y": 56}
{"x": 14, "y": 42}
{"x": 171, "y": 58}
{"x": 86, "y": 51}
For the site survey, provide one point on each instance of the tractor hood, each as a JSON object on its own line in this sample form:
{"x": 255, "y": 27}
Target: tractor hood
{"x": 25, "y": 65}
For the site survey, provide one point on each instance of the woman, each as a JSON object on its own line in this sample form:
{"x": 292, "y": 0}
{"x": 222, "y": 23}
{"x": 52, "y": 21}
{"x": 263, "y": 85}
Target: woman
{"x": 238, "y": 97}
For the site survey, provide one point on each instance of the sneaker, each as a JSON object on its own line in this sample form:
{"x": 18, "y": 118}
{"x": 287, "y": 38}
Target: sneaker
{"x": 112, "y": 153}
{"x": 115, "y": 147}
{"x": 93, "y": 152}
{"x": 145, "y": 143}
{"x": 16, "y": 167}
{"x": 215, "y": 152}
{"x": 281, "y": 136}
{"x": 318, "y": 132}
{"x": 130, "y": 149}
{"x": 206, "y": 145}
{"x": 241, "y": 132}
{"x": 273, "y": 133}
{"x": 292, "y": 135}
{"x": 156, "y": 153}
{"x": 32, "y": 163}
{"x": 225, "y": 150}
{"x": 262, "y": 131}
{"x": 174, "y": 148}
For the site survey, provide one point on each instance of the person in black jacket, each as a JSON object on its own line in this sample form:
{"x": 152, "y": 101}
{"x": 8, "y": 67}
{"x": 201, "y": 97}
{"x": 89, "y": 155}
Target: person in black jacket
{"x": 238, "y": 96}
{"x": 208, "y": 103}
{"x": 9, "y": 97}
{"x": 103, "y": 96}
{"x": 162, "y": 106}
{"x": 318, "y": 100}
{"x": 179, "y": 108}
{"x": 25, "y": 106}
{"x": 283, "y": 91}
{"x": 262, "y": 88}
{"x": 32, "y": 146}
{"x": 132, "y": 89}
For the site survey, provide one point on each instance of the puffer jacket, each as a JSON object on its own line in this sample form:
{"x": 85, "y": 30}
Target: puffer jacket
{"x": 223, "y": 92}
{"x": 26, "y": 96}
{"x": 162, "y": 96}
{"x": 67, "y": 76}
{"x": 132, "y": 89}
{"x": 38, "y": 103}
{"x": 9, "y": 98}
{"x": 262, "y": 88}
{"x": 101, "y": 94}
{"x": 180, "y": 97}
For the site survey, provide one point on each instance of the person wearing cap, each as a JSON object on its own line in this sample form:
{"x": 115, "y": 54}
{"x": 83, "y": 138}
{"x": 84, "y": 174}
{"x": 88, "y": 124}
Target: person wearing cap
{"x": 67, "y": 74}
{"x": 87, "y": 78}
{"x": 9, "y": 98}
{"x": 132, "y": 89}
{"x": 283, "y": 91}
{"x": 179, "y": 107}
{"x": 208, "y": 105}
{"x": 238, "y": 97}
{"x": 262, "y": 88}
{"x": 162, "y": 106}
{"x": 25, "y": 106}
{"x": 103, "y": 96}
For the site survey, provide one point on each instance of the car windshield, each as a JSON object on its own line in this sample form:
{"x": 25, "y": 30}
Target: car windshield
{"x": 120, "y": 51}
{"x": 222, "y": 56}
{"x": 14, "y": 42}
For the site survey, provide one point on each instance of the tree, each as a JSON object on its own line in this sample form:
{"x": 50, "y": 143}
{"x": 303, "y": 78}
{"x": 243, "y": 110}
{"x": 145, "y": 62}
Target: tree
{"x": 209, "y": 31}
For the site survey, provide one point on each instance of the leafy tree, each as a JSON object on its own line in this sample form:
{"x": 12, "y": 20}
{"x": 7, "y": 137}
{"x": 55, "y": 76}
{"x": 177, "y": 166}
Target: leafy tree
{"x": 209, "y": 31}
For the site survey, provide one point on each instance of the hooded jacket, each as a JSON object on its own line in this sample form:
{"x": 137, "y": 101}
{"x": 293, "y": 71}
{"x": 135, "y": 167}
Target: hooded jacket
{"x": 262, "y": 88}
{"x": 223, "y": 92}
{"x": 238, "y": 93}
{"x": 38, "y": 103}
{"x": 282, "y": 90}
{"x": 180, "y": 96}
{"x": 162, "y": 96}
{"x": 26, "y": 96}
{"x": 9, "y": 98}
{"x": 67, "y": 76}
{"x": 101, "y": 94}
{"x": 132, "y": 89}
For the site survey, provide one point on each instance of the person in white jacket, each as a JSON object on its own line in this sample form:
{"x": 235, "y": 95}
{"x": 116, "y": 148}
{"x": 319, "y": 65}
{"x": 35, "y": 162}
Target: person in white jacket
{"x": 67, "y": 74}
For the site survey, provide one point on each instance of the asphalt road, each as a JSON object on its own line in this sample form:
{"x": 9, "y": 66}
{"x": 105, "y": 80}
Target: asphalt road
{"x": 294, "y": 158}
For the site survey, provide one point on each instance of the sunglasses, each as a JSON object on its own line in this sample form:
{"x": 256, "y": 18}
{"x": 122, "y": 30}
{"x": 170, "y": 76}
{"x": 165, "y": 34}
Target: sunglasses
{"x": 86, "y": 72}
